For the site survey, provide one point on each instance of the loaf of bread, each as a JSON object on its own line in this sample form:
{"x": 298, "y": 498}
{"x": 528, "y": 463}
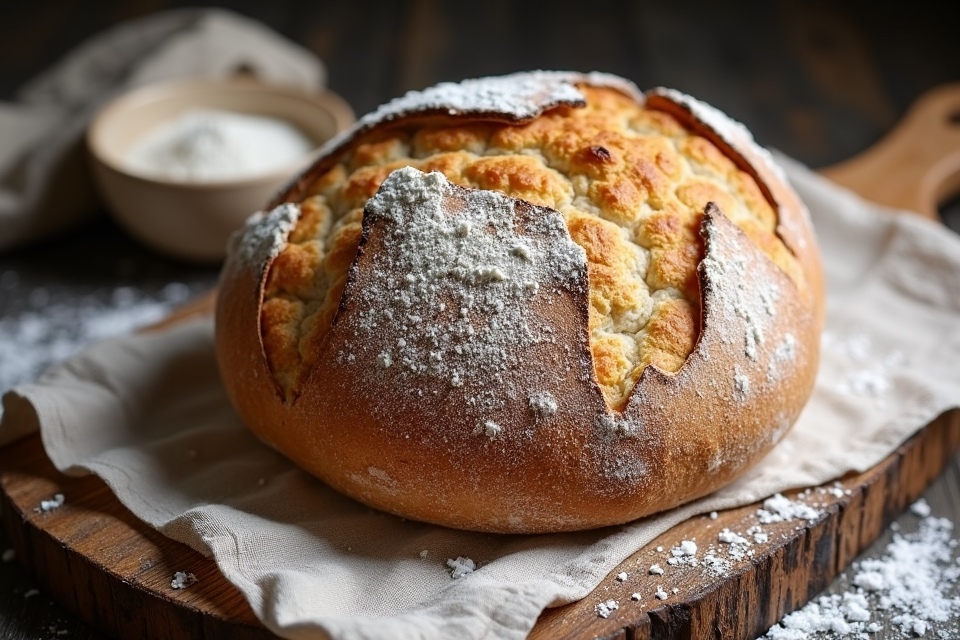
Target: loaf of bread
{"x": 535, "y": 303}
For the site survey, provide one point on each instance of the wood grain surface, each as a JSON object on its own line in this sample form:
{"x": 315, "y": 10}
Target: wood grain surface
{"x": 917, "y": 165}
{"x": 115, "y": 572}
{"x": 821, "y": 80}
{"x": 798, "y": 562}
{"x": 106, "y": 565}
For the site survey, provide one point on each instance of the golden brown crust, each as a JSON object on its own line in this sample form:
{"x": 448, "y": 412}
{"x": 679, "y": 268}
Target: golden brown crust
{"x": 621, "y": 190}
{"x": 727, "y": 313}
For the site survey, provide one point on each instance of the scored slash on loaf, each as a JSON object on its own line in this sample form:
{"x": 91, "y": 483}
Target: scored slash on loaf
{"x": 535, "y": 303}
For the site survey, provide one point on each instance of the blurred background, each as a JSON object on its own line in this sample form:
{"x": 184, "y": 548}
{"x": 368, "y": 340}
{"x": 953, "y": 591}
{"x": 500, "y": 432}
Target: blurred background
{"x": 820, "y": 81}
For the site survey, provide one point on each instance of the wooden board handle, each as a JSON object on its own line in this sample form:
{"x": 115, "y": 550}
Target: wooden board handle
{"x": 917, "y": 165}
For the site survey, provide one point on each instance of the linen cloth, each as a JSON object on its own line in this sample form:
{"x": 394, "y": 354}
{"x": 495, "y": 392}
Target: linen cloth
{"x": 148, "y": 414}
{"x": 45, "y": 185}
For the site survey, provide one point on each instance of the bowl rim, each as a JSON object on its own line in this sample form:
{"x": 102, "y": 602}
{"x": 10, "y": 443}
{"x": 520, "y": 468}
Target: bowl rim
{"x": 341, "y": 112}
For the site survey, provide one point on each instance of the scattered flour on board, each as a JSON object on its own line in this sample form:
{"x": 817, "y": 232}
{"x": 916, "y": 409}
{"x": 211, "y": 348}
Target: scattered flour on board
{"x": 182, "y": 580}
{"x": 778, "y": 508}
{"x": 604, "y": 609}
{"x": 48, "y": 332}
{"x": 920, "y": 508}
{"x": 911, "y": 585}
{"x": 53, "y": 503}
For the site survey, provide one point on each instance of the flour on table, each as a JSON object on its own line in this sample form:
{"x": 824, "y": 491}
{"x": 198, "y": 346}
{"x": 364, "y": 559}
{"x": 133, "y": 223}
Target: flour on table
{"x": 779, "y": 508}
{"x": 48, "y": 333}
{"x": 53, "y": 503}
{"x": 920, "y": 508}
{"x": 911, "y": 586}
{"x": 604, "y": 609}
{"x": 182, "y": 580}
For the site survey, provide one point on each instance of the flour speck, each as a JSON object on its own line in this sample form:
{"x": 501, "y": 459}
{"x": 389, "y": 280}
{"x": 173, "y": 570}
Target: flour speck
{"x": 53, "y": 503}
{"x": 920, "y": 508}
{"x": 604, "y": 609}
{"x": 543, "y": 404}
{"x": 461, "y": 567}
{"x": 182, "y": 580}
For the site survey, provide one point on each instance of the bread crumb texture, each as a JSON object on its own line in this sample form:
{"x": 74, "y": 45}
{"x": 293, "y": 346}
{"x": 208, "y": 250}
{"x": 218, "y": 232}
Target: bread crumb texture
{"x": 630, "y": 182}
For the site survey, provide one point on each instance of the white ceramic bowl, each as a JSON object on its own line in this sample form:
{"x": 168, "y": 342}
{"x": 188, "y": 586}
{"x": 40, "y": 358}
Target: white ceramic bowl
{"x": 193, "y": 220}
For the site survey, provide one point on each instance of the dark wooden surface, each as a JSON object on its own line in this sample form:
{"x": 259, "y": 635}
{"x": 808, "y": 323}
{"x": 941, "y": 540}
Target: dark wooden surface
{"x": 794, "y": 565}
{"x": 820, "y": 81}
{"x": 114, "y": 571}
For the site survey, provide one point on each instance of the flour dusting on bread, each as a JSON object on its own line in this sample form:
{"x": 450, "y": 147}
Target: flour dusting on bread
{"x": 536, "y": 303}
{"x": 453, "y": 280}
{"x": 265, "y": 235}
{"x": 727, "y": 128}
{"x": 755, "y": 306}
{"x": 520, "y": 96}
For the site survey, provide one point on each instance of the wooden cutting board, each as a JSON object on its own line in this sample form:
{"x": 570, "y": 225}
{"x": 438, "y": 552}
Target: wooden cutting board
{"x": 115, "y": 572}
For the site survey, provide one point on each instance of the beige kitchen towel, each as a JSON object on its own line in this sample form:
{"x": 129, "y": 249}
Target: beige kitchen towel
{"x": 147, "y": 413}
{"x": 45, "y": 185}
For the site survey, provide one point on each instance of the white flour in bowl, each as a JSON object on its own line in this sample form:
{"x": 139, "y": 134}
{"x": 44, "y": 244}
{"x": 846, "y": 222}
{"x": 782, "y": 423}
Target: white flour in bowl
{"x": 207, "y": 145}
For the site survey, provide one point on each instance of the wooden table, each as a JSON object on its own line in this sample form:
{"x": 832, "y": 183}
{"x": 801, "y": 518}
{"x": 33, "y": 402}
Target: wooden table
{"x": 819, "y": 81}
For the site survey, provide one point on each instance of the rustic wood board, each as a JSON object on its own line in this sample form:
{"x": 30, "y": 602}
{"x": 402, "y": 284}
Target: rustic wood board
{"x": 114, "y": 571}
{"x": 799, "y": 560}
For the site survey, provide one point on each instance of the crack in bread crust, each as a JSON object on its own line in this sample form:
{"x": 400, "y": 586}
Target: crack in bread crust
{"x": 631, "y": 183}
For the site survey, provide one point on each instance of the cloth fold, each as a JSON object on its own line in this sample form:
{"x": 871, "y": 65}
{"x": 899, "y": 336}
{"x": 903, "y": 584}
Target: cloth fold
{"x": 45, "y": 185}
{"x": 148, "y": 414}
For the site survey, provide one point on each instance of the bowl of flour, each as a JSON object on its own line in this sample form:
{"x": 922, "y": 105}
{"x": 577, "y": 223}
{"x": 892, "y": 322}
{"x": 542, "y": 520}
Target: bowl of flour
{"x": 182, "y": 164}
